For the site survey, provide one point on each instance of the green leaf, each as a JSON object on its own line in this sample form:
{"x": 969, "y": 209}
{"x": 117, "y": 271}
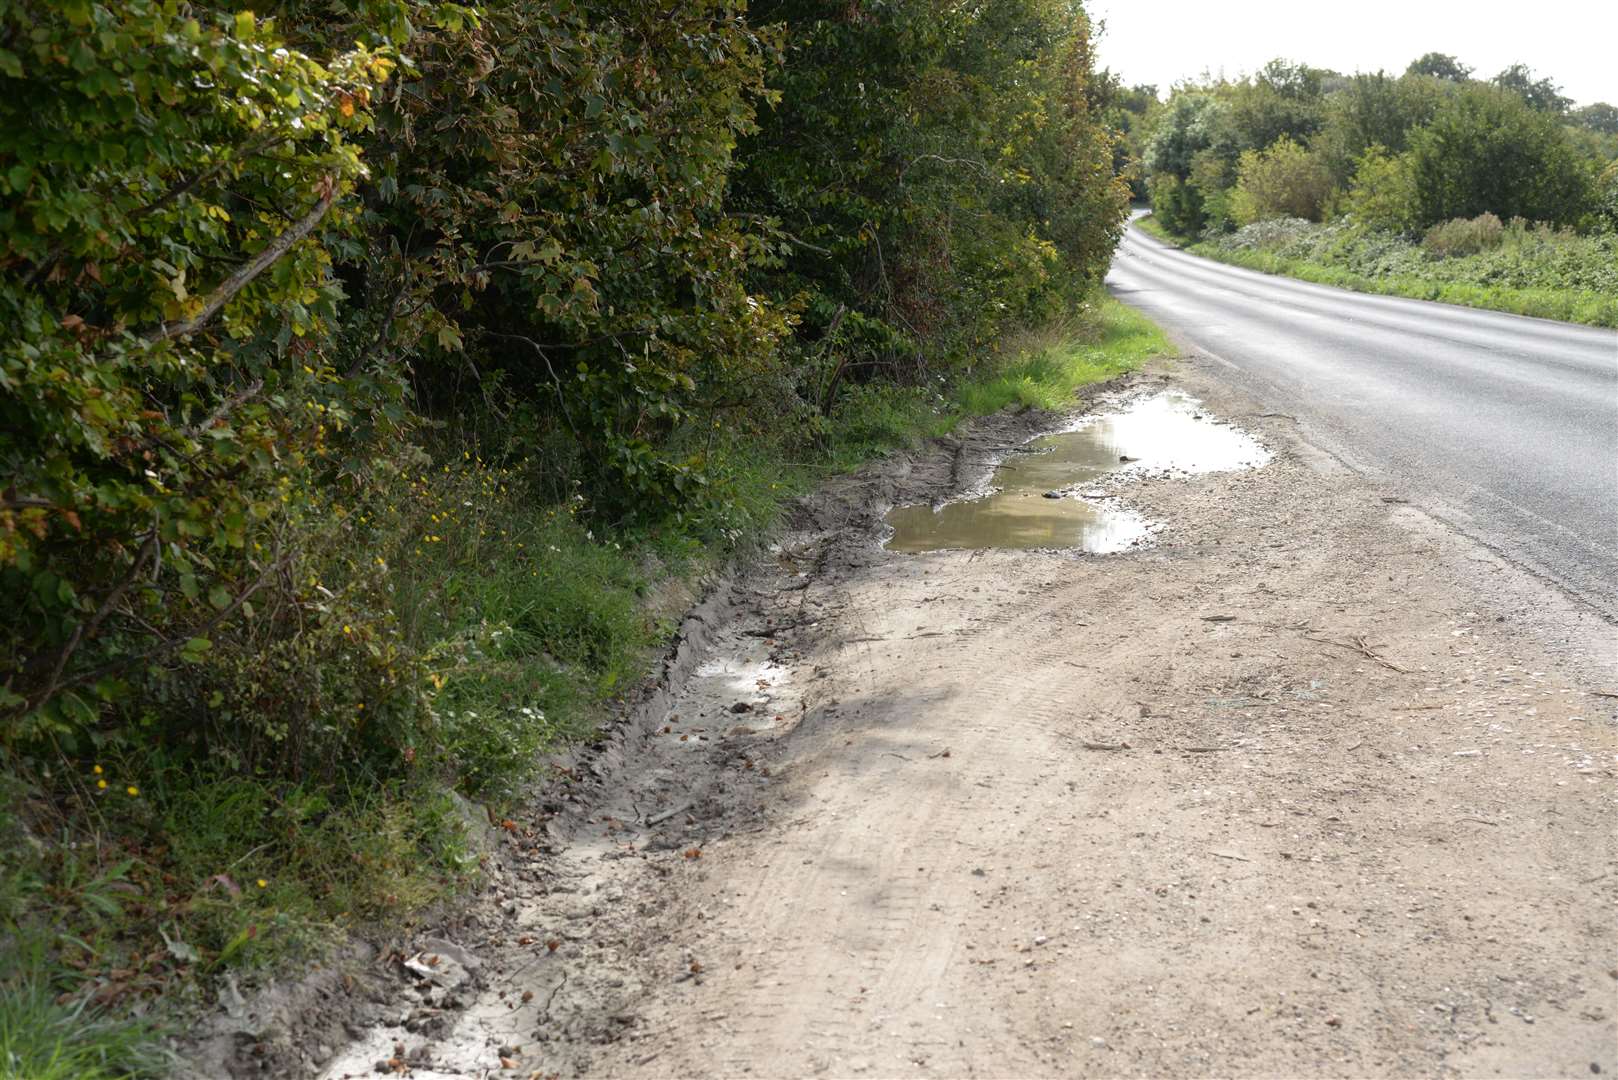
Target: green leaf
{"x": 76, "y": 709}
{"x": 234, "y": 945}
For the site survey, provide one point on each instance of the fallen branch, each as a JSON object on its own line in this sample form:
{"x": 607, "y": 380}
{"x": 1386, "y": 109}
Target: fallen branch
{"x": 1358, "y": 644}
{"x": 659, "y": 818}
{"x": 773, "y": 631}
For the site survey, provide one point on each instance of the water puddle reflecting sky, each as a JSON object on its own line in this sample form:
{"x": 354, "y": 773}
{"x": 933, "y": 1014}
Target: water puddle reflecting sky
{"x": 1058, "y": 491}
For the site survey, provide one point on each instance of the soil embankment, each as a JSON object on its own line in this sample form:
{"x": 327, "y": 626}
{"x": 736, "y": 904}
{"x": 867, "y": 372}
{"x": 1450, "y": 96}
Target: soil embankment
{"x": 1307, "y": 786}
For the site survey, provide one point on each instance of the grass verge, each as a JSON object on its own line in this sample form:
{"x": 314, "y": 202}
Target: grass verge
{"x": 1587, "y": 306}
{"x": 152, "y": 876}
{"x": 1565, "y": 305}
{"x": 1152, "y": 227}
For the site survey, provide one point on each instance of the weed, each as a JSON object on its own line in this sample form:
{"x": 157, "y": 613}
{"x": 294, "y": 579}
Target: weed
{"x": 1530, "y": 269}
{"x": 44, "y": 1038}
{"x": 1464, "y": 236}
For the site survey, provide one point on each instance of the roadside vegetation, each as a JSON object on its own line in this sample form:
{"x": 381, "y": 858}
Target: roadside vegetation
{"x": 1493, "y": 193}
{"x": 368, "y": 370}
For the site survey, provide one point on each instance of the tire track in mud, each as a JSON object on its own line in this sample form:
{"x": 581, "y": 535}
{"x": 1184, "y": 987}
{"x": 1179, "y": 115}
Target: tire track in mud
{"x": 888, "y": 946}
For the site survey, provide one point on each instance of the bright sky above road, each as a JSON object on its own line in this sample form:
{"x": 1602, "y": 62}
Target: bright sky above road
{"x": 1574, "y": 42}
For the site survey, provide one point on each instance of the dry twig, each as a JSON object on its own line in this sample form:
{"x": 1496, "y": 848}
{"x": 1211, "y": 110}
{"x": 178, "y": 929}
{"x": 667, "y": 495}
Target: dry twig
{"x": 1359, "y": 645}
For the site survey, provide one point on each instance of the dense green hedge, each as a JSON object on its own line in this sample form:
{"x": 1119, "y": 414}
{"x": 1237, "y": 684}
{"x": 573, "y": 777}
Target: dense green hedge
{"x": 256, "y": 257}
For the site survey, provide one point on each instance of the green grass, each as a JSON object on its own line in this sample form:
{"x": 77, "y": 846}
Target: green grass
{"x": 1038, "y": 369}
{"x": 55, "y": 905}
{"x": 1402, "y": 269}
{"x": 1044, "y": 371}
{"x": 1152, "y": 227}
{"x": 43, "y": 1040}
{"x": 530, "y": 625}
{"x": 1566, "y": 305}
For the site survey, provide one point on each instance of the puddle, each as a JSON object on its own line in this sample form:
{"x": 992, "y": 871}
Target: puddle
{"x": 1162, "y": 434}
{"x": 744, "y": 678}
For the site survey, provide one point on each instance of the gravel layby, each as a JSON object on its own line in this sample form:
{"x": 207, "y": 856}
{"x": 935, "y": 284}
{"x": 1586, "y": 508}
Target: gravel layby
{"x": 1309, "y": 786}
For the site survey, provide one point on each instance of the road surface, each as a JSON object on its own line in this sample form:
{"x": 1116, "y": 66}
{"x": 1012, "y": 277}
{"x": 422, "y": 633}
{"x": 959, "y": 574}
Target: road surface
{"x": 1504, "y": 426}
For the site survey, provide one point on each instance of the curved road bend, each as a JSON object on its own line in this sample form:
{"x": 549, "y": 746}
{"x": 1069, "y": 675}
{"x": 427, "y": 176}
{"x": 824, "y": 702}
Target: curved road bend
{"x": 1504, "y": 426}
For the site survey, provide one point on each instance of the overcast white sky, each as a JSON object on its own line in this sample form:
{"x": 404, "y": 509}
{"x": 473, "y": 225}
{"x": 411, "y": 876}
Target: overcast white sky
{"x": 1575, "y": 42}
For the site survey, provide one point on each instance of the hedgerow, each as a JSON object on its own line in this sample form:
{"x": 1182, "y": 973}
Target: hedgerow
{"x": 348, "y": 348}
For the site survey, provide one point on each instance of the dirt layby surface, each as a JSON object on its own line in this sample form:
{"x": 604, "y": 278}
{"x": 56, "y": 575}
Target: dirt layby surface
{"x": 1308, "y": 786}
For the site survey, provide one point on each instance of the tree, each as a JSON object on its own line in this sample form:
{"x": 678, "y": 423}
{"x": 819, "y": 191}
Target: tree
{"x": 1439, "y": 66}
{"x": 1194, "y": 127}
{"x": 1192, "y": 122}
{"x": 1541, "y": 94}
{"x": 1383, "y": 194}
{"x": 1606, "y": 208}
{"x": 1284, "y": 99}
{"x": 1600, "y": 117}
{"x": 935, "y": 169}
{"x": 1487, "y": 151}
{"x": 1282, "y": 180}
{"x": 1374, "y": 110}
{"x": 1124, "y": 109}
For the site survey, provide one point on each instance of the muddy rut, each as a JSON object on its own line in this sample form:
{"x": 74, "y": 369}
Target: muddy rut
{"x": 1308, "y": 785}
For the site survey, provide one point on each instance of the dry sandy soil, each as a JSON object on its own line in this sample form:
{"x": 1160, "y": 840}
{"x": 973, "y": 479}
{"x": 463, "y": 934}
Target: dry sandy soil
{"x": 1311, "y": 786}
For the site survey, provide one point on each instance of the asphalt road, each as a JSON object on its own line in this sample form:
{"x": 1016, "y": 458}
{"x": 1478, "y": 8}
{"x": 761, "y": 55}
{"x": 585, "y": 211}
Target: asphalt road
{"x": 1504, "y": 426}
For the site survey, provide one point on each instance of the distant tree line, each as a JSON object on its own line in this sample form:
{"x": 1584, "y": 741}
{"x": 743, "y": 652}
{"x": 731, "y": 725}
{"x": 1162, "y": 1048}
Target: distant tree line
{"x": 1397, "y": 152}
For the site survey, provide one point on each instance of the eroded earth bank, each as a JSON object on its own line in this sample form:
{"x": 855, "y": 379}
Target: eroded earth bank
{"x": 1305, "y": 785}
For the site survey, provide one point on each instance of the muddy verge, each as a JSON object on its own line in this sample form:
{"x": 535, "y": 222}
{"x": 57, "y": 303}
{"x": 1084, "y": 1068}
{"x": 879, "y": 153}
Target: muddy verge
{"x": 1308, "y": 786}
{"x": 385, "y": 1001}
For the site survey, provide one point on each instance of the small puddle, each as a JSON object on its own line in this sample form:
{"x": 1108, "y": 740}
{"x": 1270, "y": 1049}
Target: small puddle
{"x": 1055, "y": 491}
{"x": 744, "y": 677}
